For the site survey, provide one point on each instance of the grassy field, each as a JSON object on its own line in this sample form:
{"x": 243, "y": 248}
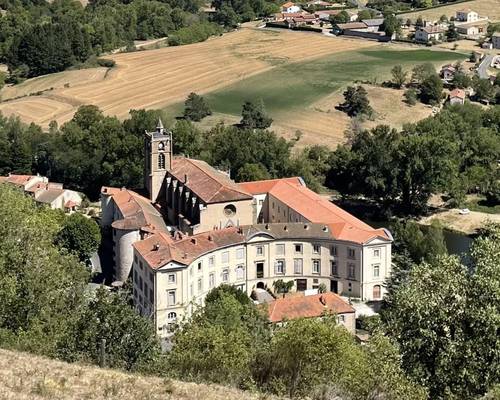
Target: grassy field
{"x": 487, "y": 8}
{"x": 157, "y": 78}
{"x": 302, "y": 96}
{"x": 27, "y": 377}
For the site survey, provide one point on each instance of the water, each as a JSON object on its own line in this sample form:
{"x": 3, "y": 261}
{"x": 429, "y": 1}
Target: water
{"x": 457, "y": 243}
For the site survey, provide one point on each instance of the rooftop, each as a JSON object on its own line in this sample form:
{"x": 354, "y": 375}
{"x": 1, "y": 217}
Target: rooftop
{"x": 49, "y": 195}
{"x": 262, "y": 187}
{"x": 352, "y": 25}
{"x": 457, "y": 93}
{"x": 210, "y": 185}
{"x": 307, "y": 307}
{"x": 373, "y": 21}
{"x": 433, "y": 29}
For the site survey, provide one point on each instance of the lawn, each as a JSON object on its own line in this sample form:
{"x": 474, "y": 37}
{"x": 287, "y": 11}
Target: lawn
{"x": 298, "y": 85}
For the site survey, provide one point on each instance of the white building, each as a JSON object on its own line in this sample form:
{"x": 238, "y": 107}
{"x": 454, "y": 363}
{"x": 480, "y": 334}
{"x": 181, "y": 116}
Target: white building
{"x": 467, "y": 15}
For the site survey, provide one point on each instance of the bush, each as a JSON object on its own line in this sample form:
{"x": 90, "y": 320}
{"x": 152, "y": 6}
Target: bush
{"x": 195, "y": 33}
{"x": 106, "y": 62}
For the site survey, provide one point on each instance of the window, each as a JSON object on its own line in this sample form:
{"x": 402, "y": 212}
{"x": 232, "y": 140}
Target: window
{"x": 341, "y": 318}
{"x": 225, "y": 257}
{"x": 333, "y": 251}
{"x": 297, "y": 266}
{"x": 141, "y": 266}
{"x": 280, "y": 267}
{"x": 225, "y": 275}
{"x": 376, "y": 292}
{"x": 199, "y": 266}
{"x": 161, "y": 161}
{"x": 261, "y": 202}
{"x": 376, "y": 253}
{"x": 135, "y": 275}
{"x": 298, "y": 248}
{"x": 351, "y": 271}
{"x": 229, "y": 210}
{"x": 260, "y": 269}
{"x": 171, "y": 297}
{"x": 240, "y": 272}
{"x": 333, "y": 267}
{"x": 171, "y": 278}
{"x": 190, "y": 271}
{"x": 151, "y": 276}
{"x": 316, "y": 266}
{"x": 200, "y": 285}
{"x": 351, "y": 253}
{"x": 211, "y": 261}
{"x": 280, "y": 249}
{"x": 260, "y": 250}
{"x": 376, "y": 271}
{"x": 316, "y": 248}
{"x": 151, "y": 295}
{"x": 240, "y": 253}
{"x": 172, "y": 316}
{"x": 211, "y": 280}
{"x": 140, "y": 282}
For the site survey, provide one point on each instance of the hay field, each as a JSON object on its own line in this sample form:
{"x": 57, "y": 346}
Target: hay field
{"x": 302, "y": 96}
{"x": 157, "y": 78}
{"x": 488, "y": 8}
{"x": 27, "y": 377}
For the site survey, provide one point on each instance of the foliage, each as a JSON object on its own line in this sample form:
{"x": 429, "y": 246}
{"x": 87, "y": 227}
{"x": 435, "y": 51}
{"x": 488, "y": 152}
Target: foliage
{"x": 341, "y": 18}
{"x": 227, "y": 290}
{"x": 356, "y": 102}
{"x": 196, "y": 108}
{"x": 483, "y": 90}
{"x": 198, "y": 32}
{"x": 461, "y": 80}
{"x": 280, "y": 286}
{"x": 410, "y": 97}
{"x": 254, "y": 116}
{"x": 80, "y": 235}
{"x": 431, "y": 89}
{"x": 391, "y": 25}
{"x": 451, "y": 33}
{"x": 446, "y": 331}
{"x": 399, "y": 76}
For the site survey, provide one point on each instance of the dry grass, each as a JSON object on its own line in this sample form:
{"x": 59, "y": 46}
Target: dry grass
{"x": 489, "y": 8}
{"x": 157, "y": 78}
{"x": 468, "y": 224}
{"x": 24, "y": 376}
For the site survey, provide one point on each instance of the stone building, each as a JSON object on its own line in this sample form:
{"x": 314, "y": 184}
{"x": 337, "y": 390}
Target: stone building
{"x": 199, "y": 229}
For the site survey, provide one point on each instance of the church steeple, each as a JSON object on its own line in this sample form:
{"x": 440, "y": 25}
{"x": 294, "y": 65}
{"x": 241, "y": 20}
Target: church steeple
{"x": 158, "y": 159}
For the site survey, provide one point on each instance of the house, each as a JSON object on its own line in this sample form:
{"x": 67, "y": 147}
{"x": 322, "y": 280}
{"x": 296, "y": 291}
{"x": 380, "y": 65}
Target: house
{"x": 466, "y": 15}
{"x": 448, "y": 72}
{"x": 325, "y": 15}
{"x": 312, "y": 306}
{"x": 342, "y": 28}
{"x": 318, "y": 3}
{"x": 495, "y": 40}
{"x": 290, "y": 7}
{"x": 457, "y": 96}
{"x": 373, "y": 24}
{"x": 198, "y": 229}
{"x": 427, "y": 33}
{"x": 473, "y": 30}
{"x": 44, "y": 192}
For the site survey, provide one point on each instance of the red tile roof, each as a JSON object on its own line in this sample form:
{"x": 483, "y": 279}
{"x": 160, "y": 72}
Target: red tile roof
{"x": 210, "y": 185}
{"x": 307, "y": 307}
{"x": 317, "y": 209}
{"x": 288, "y": 4}
{"x": 457, "y": 93}
{"x": 261, "y": 187}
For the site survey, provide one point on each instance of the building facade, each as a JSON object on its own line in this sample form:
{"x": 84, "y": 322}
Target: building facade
{"x": 199, "y": 229}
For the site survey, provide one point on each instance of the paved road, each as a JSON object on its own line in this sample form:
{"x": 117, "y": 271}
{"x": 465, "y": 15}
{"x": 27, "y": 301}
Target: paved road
{"x": 482, "y": 70}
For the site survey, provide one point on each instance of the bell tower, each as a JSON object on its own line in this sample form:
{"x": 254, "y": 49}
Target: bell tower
{"x": 158, "y": 160}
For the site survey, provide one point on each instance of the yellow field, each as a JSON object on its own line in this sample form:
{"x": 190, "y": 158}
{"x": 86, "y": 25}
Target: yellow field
{"x": 27, "y": 377}
{"x": 487, "y": 8}
{"x": 157, "y": 78}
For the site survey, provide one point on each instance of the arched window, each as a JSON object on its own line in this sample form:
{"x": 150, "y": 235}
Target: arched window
{"x": 161, "y": 161}
{"x": 172, "y": 316}
{"x": 376, "y": 292}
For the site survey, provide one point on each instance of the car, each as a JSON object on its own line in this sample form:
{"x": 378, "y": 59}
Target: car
{"x": 464, "y": 211}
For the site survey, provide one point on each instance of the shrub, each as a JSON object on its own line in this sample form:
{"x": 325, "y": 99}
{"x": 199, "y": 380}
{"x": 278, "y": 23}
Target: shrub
{"x": 106, "y": 62}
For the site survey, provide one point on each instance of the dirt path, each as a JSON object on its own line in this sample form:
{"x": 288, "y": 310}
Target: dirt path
{"x": 468, "y": 224}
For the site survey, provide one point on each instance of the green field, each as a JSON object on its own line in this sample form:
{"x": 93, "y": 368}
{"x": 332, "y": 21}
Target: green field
{"x": 298, "y": 85}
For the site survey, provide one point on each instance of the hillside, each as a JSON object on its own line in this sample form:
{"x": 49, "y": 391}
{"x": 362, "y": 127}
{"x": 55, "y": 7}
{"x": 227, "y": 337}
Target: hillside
{"x": 24, "y": 376}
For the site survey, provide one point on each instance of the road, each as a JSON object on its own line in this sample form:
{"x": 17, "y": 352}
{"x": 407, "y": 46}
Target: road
{"x": 482, "y": 70}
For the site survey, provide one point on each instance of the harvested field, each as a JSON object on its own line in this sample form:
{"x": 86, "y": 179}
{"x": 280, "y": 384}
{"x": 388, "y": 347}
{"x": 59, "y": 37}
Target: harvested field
{"x": 157, "y": 78}
{"x": 27, "y": 377}
{"x": 487, "y": 8}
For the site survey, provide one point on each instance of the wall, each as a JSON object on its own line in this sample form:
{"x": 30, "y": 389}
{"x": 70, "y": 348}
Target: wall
{"x": 213, "y": 215}
{"x": 124, "y": 252}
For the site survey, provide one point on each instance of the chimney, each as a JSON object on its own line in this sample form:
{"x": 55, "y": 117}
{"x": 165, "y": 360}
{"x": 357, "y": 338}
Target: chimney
{"x": 105, "y": 190}
{"x": 193, "y": 240}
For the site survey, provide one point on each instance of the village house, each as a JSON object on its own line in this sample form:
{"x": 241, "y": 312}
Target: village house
{"x": 473, "y": 30}
{"x": 448, "y": 72}
{"x": 199, "y": 229}
{"x": 466, "y": 15}
{"x": 427, "y": 33}
{"x": 51, "y": 194}
{"x": 312, "y": 306}
{"x": 373, "y": 24}
{"x": 290, "y": 7}
{"x": 457, "y": 96}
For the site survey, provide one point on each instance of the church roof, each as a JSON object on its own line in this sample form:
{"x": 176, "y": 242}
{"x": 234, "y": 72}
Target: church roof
{"x": 210, "y": 185}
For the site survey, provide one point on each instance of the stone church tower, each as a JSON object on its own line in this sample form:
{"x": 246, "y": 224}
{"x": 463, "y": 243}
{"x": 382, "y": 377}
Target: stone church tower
{"x": 158, "y": 160}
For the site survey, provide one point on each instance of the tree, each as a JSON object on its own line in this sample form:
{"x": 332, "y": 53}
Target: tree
{"x": 254, "y": 116}
{"x": 431, "y": 90}
{"x": 461, "y": 80}
{"x": 421, "y": 72}
{"x": 280, "y": 286}
{"x": 451, "y": 33}
{"x": 398, "y": 76}
{"x": 252, "y": 172}
{"x": 356, "y": 101}
{"x": 188, "y": 139}
{"x": 419, "y": 22}
{"x": 341, "y": 18}
{"x": 80, "y": 235}
{"x": 410, "y": 97}
{"x": 483, "y": 90}
{"x": 391, "y": 25}
{"x": 196, "y": 108}
{"x": 364, "y": 14}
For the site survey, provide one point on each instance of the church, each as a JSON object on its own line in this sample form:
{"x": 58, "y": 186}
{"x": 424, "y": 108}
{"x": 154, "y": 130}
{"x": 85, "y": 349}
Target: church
{"x": 198, "y": 229}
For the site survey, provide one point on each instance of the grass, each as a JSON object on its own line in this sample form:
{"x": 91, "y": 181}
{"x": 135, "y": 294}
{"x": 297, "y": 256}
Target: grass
{"x": 298, "y": 85}
{"x": 27, "y": 377}
{"x": 481, "y": 206}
